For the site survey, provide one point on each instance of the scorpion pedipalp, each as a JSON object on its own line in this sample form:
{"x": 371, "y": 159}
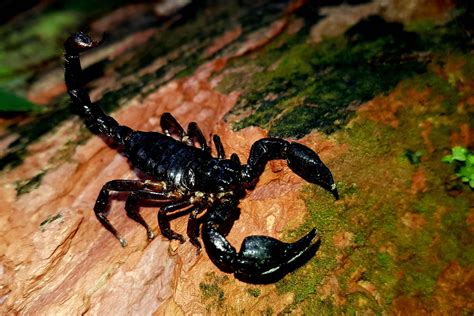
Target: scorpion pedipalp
{"x": 261, "y": 259}
{"x": 301, "y": 159}
{"x": 306, "y": 163}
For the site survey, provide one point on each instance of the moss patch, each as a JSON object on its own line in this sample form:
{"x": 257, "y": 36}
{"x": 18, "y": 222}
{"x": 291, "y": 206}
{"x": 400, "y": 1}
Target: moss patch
{"x": 255, "y": 292}
{"x": 28, "y": 185}
{"x": 212, "y": 292}
{"x": 49, "y": 220}
{"x": 294, "y": 86}
{"x": 386, "y": 238}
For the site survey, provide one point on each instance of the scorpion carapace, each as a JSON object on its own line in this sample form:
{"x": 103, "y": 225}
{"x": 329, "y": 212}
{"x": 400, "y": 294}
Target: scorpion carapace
{"x": 187, "y": 179}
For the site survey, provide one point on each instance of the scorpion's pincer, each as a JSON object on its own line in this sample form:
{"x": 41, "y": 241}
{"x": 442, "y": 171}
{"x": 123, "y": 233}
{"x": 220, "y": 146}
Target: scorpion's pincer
{"x": 261, "y": 259}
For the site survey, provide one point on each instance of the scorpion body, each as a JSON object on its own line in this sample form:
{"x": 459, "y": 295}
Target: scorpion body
{"x": 189, "y": 180}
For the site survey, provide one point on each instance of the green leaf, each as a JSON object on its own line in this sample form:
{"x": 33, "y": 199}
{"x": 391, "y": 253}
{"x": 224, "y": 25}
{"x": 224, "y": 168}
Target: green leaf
{"x": 447, "y": 158}
{"x": 464, "y": 164}
{"x": 414, "y": 157}
{"x": 10, "y": 102}
{"x": 459, "y": 153}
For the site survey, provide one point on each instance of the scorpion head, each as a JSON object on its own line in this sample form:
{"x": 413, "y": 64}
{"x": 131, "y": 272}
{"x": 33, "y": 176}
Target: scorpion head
{"x": 223, "y": 175}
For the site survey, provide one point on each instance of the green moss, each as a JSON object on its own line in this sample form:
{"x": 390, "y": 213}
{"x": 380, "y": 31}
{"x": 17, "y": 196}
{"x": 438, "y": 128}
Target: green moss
{"x": 255, "y": 292}
{"x": 456, "y": 242}
{"x": 268, "y": 311}
{"x": 39, "y": 125}
{"x": 441, "y": 87}
{"x": 335, "y": 76}
{"x": 35, "y": 38}
{"x": 36, "y": 42}
{"x": 414, "y": 157}
{"x": 25, "y": 186}
{"x": 49, "y": 220}
{"x": 331, "y": 78}
{"x": 426, "y": 205}
{"x": 320, "y": 307}
{"x": 212, "y": 292}
{"x": 453, "y": 36}
{"x": 361, "y": 303}
{"x": 400, "y": 241}
{"x": 305, "y": 281}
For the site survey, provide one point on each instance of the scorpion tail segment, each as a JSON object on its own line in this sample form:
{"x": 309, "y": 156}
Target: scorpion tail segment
{"x": 73, "y": 46}
{"x": 78, "y": 43}
{"x": 306, "y": 163}
{"x": 96, "y": 120}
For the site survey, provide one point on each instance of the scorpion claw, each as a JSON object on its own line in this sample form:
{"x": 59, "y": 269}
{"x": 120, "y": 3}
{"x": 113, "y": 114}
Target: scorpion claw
{"x": 261, "y": 258}
{"x": 263, "y": 255}
{"x": 306, "y": 163}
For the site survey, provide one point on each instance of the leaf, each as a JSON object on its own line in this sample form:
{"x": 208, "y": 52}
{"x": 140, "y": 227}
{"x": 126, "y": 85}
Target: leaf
{"x": 459, "y": 153}
{"x": 10, "y": 102}
{"x": 447, "y": 158}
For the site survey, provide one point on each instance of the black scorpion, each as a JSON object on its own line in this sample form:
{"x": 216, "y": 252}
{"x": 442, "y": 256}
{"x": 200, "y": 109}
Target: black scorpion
{"x": 188, "y": 179}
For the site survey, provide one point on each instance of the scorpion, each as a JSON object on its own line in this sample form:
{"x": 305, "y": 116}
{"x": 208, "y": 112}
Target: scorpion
{"x": 186, "y": 178}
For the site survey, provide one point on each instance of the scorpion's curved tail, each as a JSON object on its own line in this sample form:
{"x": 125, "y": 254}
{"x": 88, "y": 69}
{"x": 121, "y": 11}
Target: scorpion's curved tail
{"x": 261, "y": 259}
{"x": 95, "y": 119}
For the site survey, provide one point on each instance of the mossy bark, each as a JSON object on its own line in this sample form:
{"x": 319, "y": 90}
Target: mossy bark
{"x": 383, "y": 99}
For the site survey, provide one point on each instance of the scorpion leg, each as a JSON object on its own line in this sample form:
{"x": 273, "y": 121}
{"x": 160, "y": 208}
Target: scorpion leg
{"x": 196, "y": 136}
{"x": 301, "y": 159}
{"x": 100, "y": 207}
{"x": 95, "y": 119}
{"x": 219, "y": 147}
{"x": 140, "y": 190}
{"x": 164, "y": 222}
{"x": 170, "y": 126}
{"x": 261, "y": 258}
{"x": 193, "y": 226}
{"x": 220, "y": 150}
{"x": 132, "y": 209}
